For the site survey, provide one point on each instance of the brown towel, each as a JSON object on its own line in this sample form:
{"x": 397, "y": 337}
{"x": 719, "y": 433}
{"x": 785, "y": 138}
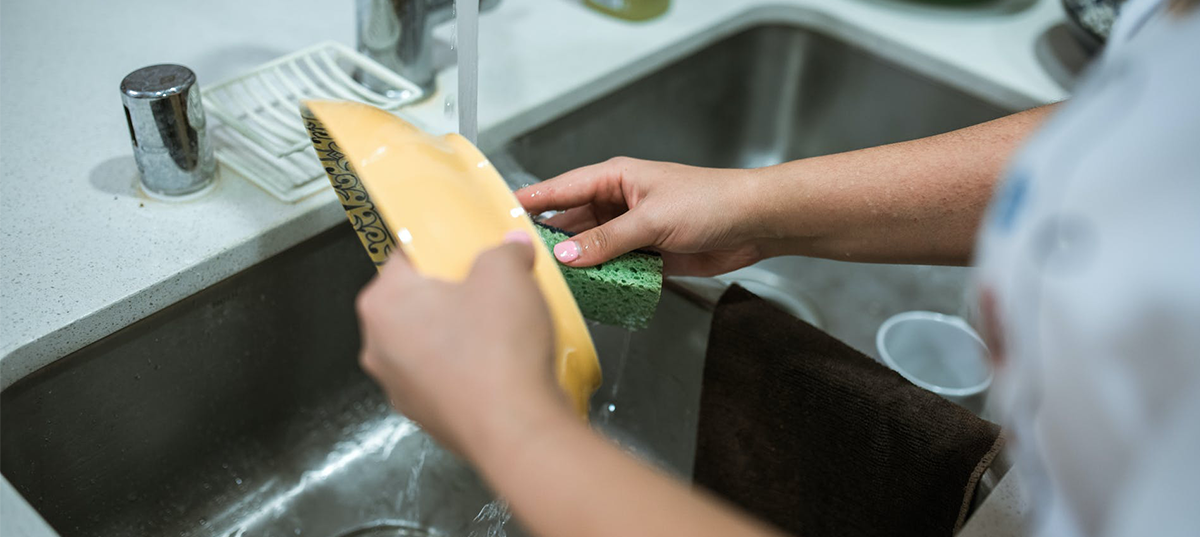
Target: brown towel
{"x": 805, "y": 432}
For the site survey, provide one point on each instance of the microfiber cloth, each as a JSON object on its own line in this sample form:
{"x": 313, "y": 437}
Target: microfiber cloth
{"x": 803, "y": 431}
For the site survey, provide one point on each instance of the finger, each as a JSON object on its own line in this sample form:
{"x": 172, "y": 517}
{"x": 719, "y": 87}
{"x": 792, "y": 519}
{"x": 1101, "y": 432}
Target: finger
{"x": 369, "y": 362}
{"x": 514, "y": 257}
{"x": 517, "y": 236}
{"x": 574, "y": 220}
{"x": 396, "y": 275}
{"x": 365, "y": 306}
{"x": 572, "y": 189}
{"x": 617, "y": 236}
{"x": 397, "y": 268}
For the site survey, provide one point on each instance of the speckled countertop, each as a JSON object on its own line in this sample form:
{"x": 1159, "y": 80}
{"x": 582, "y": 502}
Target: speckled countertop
{"x": 83, "y": 253}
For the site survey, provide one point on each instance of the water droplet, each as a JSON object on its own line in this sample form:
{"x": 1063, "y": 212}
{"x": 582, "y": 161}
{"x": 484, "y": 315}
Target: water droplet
{"x": 203, "y": 521}
{"x": 237, "y": 480}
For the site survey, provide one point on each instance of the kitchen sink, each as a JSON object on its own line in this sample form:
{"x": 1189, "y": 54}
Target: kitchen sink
{"x": 765, "y": 96}
{"x": 241, "y": 410}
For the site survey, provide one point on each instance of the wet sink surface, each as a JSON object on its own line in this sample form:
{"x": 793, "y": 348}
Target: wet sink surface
{"x": 242, "y": 411}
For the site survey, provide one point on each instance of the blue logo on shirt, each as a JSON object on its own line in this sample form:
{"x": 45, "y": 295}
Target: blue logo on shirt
{"x": 1010, "y": 200}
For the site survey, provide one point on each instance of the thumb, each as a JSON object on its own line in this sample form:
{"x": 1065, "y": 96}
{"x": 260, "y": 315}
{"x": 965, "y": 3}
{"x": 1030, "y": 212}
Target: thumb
{"x": 617, "y": 236}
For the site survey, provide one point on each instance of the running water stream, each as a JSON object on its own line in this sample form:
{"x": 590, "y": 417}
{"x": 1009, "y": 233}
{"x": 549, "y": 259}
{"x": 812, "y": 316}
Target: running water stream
{"x": 467, "y": 43}
{"x": 491, "y": 520}
{"x": 608, "y": 399}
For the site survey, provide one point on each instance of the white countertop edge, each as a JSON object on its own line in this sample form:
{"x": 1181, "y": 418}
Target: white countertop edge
{"x": 138, "y": 305}
{"x": 974, "y": 81}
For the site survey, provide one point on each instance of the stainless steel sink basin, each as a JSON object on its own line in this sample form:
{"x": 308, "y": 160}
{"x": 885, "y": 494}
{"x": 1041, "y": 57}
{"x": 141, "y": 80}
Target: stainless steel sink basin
{"x": 765, "y": 96}
{"x": 241, "y": 410}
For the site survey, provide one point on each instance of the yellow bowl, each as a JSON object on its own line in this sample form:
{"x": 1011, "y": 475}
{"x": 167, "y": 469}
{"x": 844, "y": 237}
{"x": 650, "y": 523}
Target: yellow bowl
{"x": 441, "y": 202}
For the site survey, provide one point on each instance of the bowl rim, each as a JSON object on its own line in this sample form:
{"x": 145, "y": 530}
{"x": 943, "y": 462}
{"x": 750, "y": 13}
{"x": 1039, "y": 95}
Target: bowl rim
{"x": 951, "y": 320}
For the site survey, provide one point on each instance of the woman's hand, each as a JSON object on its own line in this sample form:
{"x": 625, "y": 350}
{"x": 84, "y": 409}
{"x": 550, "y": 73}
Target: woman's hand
{"x": 463, "y": 359}
{"x": 696, "y": 217}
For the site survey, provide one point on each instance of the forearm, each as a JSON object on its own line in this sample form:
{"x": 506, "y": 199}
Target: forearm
{"x": 911, "y": 202}
{"x": 568, "y": 481}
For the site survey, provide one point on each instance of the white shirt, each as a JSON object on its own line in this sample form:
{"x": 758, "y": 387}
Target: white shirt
{"x": 1090, "y": 257}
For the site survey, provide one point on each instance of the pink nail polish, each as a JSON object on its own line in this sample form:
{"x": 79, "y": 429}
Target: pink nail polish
{"x": 517, "y": 236}
{"x": 566, "y": 251}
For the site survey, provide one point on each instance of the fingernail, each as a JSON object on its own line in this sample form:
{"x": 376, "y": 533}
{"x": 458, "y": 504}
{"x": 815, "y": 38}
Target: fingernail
{"x": 566, "y": 251}
{"x": 517, "y": 236}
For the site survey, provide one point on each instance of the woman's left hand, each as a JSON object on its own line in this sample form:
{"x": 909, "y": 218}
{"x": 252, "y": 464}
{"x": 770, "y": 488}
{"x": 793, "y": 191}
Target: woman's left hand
{"x": 463, "y": 359}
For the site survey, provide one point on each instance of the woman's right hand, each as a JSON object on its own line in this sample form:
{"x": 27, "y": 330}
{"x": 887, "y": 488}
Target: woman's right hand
{"x": 698, "y": 218}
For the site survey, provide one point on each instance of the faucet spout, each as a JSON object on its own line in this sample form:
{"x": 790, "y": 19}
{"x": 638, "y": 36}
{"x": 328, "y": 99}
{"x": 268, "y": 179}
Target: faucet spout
{"x": 399, "y": 35}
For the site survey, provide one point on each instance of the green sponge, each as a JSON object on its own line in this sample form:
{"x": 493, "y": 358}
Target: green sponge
{"x": 622, "y": 292}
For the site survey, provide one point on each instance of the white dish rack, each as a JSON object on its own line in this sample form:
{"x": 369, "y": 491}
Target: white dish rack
{"x": 261, "y": 135}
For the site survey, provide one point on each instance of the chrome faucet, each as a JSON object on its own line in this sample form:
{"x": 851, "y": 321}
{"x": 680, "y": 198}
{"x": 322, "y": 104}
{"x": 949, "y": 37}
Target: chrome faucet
{"x": 399, "y": 35}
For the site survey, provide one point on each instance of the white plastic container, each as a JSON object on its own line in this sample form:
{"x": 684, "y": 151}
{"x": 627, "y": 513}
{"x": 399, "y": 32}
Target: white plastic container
{"x": 940, "y": 353}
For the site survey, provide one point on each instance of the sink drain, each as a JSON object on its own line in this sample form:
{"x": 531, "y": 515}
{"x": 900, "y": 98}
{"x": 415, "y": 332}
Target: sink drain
{"x": 391, "y": 529}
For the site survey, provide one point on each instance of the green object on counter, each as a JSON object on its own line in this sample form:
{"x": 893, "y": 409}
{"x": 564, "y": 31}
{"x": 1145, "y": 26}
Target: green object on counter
{"x": 634, "y": 10}
{"x": 622, "y": 292}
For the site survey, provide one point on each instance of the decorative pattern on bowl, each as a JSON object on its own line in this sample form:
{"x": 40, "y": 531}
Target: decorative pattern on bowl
{"x": 373, "y": 233}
